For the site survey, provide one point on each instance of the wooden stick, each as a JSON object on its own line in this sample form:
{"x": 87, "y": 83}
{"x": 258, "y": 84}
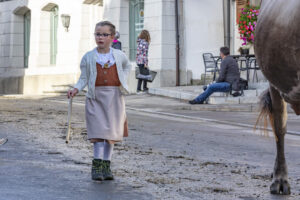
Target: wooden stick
{"x": 69, "y": 120}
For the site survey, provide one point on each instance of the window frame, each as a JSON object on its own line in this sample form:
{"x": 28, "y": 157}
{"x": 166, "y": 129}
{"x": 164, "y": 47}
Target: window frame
{"x": 53, "y": 34}
{"x": 136, "y": 25}
{"x": 27, "y": 27}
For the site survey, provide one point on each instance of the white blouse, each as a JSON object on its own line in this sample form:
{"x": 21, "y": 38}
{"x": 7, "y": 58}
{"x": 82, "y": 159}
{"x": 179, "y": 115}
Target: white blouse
{"x": 106, "y": 58}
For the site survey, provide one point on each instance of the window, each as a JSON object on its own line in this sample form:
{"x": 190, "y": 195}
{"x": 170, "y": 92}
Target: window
{"x": 27, "y": 19}
{"x": 136, "y": 24}
{"x": 53, "y": 34}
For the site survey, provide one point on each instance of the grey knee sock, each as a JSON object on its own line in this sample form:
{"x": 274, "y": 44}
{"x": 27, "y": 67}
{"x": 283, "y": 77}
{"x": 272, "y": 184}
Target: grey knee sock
{"x": 99, "y": 150}
{"x": 108, "y": 150}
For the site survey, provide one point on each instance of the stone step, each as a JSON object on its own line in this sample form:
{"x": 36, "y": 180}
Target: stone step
{"x": 58, "y": 89}
{"x": 190, "y": 92}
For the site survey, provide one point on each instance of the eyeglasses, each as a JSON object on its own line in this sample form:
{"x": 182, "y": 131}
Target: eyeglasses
{"x": 102, "y": 35}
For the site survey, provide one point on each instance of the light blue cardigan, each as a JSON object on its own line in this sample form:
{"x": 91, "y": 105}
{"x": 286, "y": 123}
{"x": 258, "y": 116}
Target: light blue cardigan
{"x": 89, "y": 71}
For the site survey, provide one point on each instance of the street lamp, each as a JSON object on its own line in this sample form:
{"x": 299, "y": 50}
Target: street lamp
{"x": 65, "y": 21}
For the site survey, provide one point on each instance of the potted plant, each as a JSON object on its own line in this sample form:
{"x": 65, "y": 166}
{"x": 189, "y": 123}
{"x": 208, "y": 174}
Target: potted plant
{"x": 244, "y": 50}
{"x": 246, "y": 26}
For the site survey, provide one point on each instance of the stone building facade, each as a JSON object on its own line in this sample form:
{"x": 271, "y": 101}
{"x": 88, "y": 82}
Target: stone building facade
{"x": 38, "y": 54}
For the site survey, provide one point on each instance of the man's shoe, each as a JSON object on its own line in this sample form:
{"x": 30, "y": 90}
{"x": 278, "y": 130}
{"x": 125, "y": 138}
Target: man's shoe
{"x": 146, "y": 89}
{"x": 3, "y": 141}
{"x": 107, "y": 174}
{"x": 97, "y": 170}
{"x": 195, "y": 102}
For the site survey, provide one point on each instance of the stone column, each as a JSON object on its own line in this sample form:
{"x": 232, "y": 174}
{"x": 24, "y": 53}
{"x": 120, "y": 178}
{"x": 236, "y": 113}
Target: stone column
{"x": 117, "y": 11}
{"x": 160, "y": 22}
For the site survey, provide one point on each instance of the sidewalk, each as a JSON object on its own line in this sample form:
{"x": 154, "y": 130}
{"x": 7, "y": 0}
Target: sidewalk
{"x": 251, "y": 96}
{"x": 218, "y": 101}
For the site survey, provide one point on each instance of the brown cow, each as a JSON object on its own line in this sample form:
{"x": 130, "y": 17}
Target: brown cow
{"x": 277, "y": 48}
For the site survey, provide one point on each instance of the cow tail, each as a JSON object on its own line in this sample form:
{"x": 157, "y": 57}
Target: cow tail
{"x": 266, "y": 112}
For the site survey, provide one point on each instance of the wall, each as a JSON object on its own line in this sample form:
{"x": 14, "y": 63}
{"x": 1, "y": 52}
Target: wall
{"x": 11, "y": 48}
{"x": 203, "y": 32}
{"x": 160, "y": 21}
{"x": 117, "y": 11}
{"x": 40, "y": 76}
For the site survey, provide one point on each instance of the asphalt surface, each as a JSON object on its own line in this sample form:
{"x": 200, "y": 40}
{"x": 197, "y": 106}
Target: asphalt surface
{"x": 29, "y": 171}
{"x": 165, "y": 157}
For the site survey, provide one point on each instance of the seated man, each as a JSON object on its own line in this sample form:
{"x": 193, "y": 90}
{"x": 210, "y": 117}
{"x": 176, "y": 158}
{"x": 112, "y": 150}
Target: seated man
{"x": 228, "y": 78}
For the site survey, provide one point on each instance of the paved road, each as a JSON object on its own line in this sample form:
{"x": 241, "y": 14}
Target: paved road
{"x": 165, "y": 157}
{"x": 29, "y": 171}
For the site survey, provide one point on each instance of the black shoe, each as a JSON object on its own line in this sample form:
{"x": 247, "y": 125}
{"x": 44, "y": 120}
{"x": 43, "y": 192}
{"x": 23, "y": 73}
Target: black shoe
{"x": 146, "y": 89}
{"x": 236, "y": 94}
{"x": 195, "y": 102}
{"x": 97, "y": 170}
{"x": 107, "y": 174}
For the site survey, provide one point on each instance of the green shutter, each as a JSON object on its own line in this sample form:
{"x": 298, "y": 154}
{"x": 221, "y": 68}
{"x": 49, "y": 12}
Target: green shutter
{"x": 136, "y": 23}
{"x": 27, "y": 19}
{"x": 53, "y": 35}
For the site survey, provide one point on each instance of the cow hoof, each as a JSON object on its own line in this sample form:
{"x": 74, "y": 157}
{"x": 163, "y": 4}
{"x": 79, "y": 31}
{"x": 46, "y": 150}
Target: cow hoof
{"x": 280, "y": 187}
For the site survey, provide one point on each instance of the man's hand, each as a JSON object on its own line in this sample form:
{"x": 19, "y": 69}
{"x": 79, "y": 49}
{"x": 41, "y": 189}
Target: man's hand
{"x": 72, "y": 93}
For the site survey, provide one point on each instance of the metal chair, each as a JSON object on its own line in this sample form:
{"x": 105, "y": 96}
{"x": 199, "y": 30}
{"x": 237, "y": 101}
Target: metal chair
{"x": 210, "y": 64}
{"x": 252, "y": 66}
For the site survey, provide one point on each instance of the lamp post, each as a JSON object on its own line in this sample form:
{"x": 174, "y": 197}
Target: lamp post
{"x": 66, "y": 21}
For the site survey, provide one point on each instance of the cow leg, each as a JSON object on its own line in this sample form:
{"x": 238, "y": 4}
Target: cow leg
{"x": 280, "y": 184}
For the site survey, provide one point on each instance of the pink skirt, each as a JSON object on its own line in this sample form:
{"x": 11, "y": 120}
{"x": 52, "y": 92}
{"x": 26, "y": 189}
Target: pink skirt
{"x": 106, "y": 115}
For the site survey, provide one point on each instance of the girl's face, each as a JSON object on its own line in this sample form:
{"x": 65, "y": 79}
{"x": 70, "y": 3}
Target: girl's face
{"x": 103, "y": 37}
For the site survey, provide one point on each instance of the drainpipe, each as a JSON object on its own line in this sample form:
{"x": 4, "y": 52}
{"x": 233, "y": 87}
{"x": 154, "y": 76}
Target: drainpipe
{"x": 226, "y": 22}
{"x": 177, "y": 43}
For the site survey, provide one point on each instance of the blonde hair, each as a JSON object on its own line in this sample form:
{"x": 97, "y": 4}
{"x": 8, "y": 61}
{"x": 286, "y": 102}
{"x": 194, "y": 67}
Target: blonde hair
{"x": 112, "y": 27}
{"x": 145, "y": 35}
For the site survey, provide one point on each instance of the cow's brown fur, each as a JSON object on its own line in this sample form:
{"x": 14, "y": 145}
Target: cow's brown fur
{"x": 265, "y": 114}
{"x": 277, "y": 49}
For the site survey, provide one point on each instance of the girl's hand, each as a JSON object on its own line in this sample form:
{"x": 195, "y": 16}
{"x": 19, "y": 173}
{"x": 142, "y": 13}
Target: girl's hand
{"x": 72, "y": 93}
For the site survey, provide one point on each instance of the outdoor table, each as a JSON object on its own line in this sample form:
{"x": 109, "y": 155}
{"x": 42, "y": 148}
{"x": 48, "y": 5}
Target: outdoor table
{"x": 239, "y": 58}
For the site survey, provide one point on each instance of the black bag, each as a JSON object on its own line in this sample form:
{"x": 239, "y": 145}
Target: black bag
{"x": 243, "y": 84}
{"x": 145, "y": 74}
{"x": 239, "y": 87}
{"x": 144, "y": 71}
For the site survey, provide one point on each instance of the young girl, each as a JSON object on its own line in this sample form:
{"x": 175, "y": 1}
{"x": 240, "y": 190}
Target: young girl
{"x": 142, "y": 57}
{"x": 105, "y": 71}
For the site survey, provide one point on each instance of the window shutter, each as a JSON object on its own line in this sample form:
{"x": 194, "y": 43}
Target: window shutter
{"x": 239, "y": 5}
